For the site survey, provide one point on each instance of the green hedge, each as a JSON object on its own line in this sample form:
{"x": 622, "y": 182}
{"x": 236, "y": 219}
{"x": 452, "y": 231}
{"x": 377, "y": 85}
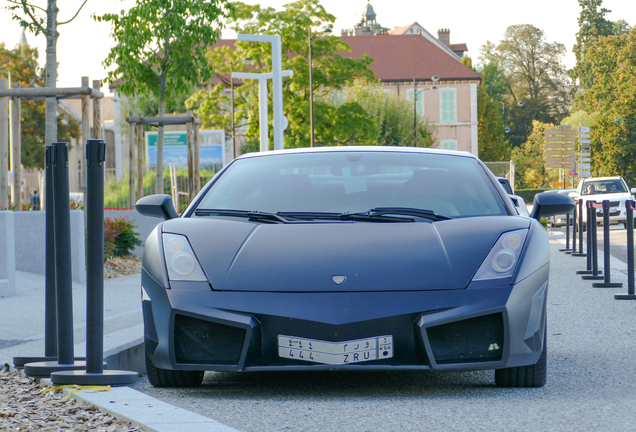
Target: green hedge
{"x": 528, "y": 194}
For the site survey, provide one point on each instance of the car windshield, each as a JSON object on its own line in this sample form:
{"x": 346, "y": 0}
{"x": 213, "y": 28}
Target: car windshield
{"x": 595, "y": 187}
{"x": 342, "y": 182}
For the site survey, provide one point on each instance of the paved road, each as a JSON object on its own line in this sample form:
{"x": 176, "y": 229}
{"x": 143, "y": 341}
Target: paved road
{"x": 591, "y": 385}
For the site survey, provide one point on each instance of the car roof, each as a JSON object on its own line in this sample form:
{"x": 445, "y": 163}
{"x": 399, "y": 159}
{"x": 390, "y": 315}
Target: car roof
{"x": 373, "y": 149}
{"x": 601, "y": 178}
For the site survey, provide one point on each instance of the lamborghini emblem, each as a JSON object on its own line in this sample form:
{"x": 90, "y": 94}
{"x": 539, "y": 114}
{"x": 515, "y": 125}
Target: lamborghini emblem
{"x": 338, "y": 279}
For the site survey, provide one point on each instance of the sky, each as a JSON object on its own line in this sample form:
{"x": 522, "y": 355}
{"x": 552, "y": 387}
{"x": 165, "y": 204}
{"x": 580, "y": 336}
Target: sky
{"x": 84, "y": 44}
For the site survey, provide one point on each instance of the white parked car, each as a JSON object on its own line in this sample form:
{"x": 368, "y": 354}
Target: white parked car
{"x": 606, "y": 188}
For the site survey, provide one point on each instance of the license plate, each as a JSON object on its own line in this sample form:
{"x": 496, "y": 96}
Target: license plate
{"x": 335, "y": 353}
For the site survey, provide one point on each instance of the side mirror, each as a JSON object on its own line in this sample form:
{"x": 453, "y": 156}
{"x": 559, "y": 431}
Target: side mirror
{"x": 551, "y": 204}
{"x": 514, "y": 199}
{"x": 633, "y": 190}
{"x": 159, "y": 205}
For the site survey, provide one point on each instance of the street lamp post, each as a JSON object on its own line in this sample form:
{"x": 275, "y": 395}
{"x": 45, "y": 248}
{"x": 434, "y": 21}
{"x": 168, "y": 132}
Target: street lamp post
{"x": 619, "y": 121}
{"x": 506, "y": 128}
{"x": 311, "y": 82}
{"x": 435, "y": 78}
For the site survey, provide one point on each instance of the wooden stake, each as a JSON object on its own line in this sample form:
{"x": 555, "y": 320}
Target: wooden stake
{"x": 131, "y": 164}
{"x": 16, "y": 152}
{"x": 197, "y": 159}
{"x": 190, "y": 145}
{"x": 140, "y": 160}
{"x": 4, "y": 146}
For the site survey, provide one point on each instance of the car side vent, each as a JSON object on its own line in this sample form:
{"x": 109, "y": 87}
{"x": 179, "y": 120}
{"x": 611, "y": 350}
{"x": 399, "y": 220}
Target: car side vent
{"x": 473, "y": 340}
{"x": 205, "y": 342}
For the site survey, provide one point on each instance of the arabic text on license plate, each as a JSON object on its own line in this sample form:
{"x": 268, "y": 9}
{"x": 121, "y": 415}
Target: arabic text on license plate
{"x": 335, "y": 353}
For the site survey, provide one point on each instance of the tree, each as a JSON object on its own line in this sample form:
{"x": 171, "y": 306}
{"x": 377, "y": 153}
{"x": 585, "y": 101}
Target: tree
{"x": 23, "y": 65}
{"x": 535, "y": 75}
{"x": 528, "y": 158}
{"x": 592, "y": 25}
{"x": 330, "y": 72}
{"x": 492, "y": 146}
{"x": 613, "y": 96}
{"x": 160, "y": 48}
{"x": 392, "y": 116}
{"x": 32, "y": 18}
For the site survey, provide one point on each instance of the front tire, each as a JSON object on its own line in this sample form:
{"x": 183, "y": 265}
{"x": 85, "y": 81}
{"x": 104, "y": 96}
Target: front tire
{"x": 525, "y": 376}
{"x": 172, "y": 378}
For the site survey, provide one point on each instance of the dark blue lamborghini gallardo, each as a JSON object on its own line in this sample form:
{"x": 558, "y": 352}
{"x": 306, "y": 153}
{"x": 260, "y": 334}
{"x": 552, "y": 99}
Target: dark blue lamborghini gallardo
{"x": 348, "y": 258}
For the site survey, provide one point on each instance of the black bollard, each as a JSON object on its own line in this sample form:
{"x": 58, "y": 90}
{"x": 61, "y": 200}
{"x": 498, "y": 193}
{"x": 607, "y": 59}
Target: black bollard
{"x": 579, "y": 208}
{"x": 95, "y": 374}
{"x": 631, "y": 295}
{"x": 574, "y": 227}
{"x": 592, "y": 247}
{"x": 50, "y": 322}
{"x": 588, "y": 238}
{"x": 63, "y": 270}
{"x": 567, "y": 235}
{"x": 606, "y": 251}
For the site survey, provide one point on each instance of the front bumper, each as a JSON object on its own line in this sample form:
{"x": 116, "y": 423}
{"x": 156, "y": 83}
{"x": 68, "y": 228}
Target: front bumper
{"x": 486, "y": 326}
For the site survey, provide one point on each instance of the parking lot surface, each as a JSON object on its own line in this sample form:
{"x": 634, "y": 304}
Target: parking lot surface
{"x": 591, "y": 381}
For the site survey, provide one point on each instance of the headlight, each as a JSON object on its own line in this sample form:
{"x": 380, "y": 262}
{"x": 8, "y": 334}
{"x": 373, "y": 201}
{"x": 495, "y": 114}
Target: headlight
{"x": 504, "y": 256}
{"x": 181, "y": 261}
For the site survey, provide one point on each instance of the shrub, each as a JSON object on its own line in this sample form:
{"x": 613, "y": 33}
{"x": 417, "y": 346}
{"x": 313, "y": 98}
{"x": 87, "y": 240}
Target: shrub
{"x": 120, "y": 237}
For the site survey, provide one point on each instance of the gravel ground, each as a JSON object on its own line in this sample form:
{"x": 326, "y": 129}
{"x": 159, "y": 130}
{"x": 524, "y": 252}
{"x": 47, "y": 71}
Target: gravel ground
{"x": 23, "y": 407}
{"x": 591, "y": 382}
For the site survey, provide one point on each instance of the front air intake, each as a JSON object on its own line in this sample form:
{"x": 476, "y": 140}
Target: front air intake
{"x": 198, "y": 341}
{"x": 473, "y": 340}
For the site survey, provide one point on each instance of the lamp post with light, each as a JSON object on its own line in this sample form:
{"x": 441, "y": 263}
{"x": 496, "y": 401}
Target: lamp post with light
{"x": 506, "y": 128}
{"x": 619, "y": 121}
{"x": 311, "y": 37}
{"x": 435, "y": 79}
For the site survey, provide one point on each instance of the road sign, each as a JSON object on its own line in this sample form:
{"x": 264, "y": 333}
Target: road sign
{"x": 585, "y": 154}
{"x": 585, "y": 148}
{"x": 584, "y": 135}
{"x": 560, "y": 138}
{"x": 572, "y": 172}
{"x": 560, "y": 132}
{"x": 585, "y": 159}
{"x": 559, "y": 165}
{"x": 585, "y": 174}
{"x": 584, "y": 129}
{"x": 564, "y": 127}
{"x": 584, "y": 141}
{"x": 585, "y": 166}
{"x": 558, "y": 152}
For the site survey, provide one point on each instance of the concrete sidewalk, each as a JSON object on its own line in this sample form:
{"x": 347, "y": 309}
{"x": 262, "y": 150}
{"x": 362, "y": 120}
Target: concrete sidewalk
{"x": 22, "y": 316}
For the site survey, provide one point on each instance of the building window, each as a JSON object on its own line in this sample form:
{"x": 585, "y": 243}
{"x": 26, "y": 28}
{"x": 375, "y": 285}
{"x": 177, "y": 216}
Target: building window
{"x": 449, "y": 145}
{"x": 449, "y": 105}
{"x": 419, "y": 102}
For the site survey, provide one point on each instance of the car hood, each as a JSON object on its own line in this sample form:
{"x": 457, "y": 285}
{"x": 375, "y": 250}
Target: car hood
{"x": 620, "y": 196}
{"x": 239, "y": 255}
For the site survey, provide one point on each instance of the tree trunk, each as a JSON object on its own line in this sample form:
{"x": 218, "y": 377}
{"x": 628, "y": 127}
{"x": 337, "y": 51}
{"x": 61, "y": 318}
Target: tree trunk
{"x": 162, "y": 112}
{"x": 50, "y": 135}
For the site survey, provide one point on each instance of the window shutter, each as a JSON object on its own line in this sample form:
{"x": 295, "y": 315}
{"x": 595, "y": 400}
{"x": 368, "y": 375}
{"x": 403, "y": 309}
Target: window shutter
{"x": 448, "y": 106}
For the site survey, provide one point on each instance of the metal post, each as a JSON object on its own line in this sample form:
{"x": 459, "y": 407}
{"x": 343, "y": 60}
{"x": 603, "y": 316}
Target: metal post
{"x": 592, "y": 247}
{"x": 567, "y": 235}
{"x": 631, "y": 293}
{"x": 606, "y": 251}
{"x": 589, "y": 256}
{"x": 574, "y": 220}
{"x": 95, "y": 157}
{"x": 232, "y": 108}
{"x": 578, "y": 211}
{"x": 131, "y": 163}
{"x": 197, "y": 157}
{"x": 50, "y": 313}
{"x": 4, "y": 147}
{"x": 63, "y": 271}
{"x": 86, "y": 134}
{"x": 140, "y": 160}
{"x": 190, "y": 150}
{"x": 414, "y": 113}
{"x": 277, "y": 90}
{"x": 311, "y": 93}
{"x": 16, "y": 152}
{"x": 95, "y": 374}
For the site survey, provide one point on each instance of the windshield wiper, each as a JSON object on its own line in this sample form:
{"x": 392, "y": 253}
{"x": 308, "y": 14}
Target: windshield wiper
{"x": 406, "y": 211}
{"x": 345, "y": 216}
{"x": 251, "y": 215}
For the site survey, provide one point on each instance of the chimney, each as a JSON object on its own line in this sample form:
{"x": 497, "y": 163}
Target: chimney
{"x": 444, "y": 36}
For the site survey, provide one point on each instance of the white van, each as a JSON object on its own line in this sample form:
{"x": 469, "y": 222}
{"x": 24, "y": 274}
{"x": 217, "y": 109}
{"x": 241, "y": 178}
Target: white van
{"x": 606, "y": 188}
